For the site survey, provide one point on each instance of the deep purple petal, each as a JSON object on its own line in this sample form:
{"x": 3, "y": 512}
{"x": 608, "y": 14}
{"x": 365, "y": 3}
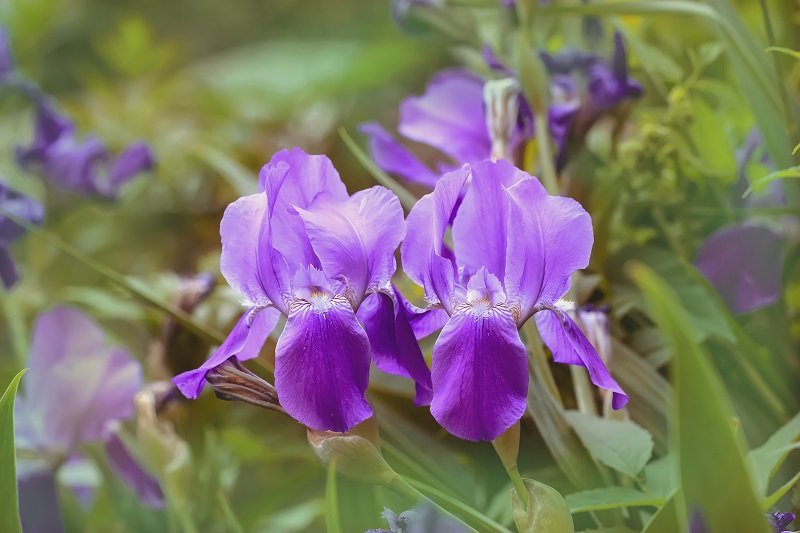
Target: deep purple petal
{"x": 423, "y": 248}
{"x": 244, "y": 342}
{"x": 449, "y": 116}
{"x": 18, "y": 205}
{"x": 308, "y": 179}
{"x": 551, "y": 237}
{"x": 744, "y": 263}
{"x": 76, "y": 385}
{"x": 394, "y": 158}
{"x": 9, "y": 275}
{"x": 569, "y": 346}
{"x": 479, "y": 228}
{"x": 480, "y": 374}
{"x": 394, "y": 346}
{"x": 135, "y": 159}
{"x": 49, "y": 127}
{"x": 322, "y": 366}
{"x": 131, "y": 472}
{"x": 355, "y": 240}
{"x": 423, "y": 322}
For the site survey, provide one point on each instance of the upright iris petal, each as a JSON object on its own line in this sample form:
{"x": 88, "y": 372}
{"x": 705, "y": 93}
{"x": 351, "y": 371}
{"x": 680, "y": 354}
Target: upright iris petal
{"x": 515, "y": 250}
{"x": 304, "y": 248}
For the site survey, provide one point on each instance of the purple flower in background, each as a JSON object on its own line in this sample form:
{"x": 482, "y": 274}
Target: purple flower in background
{"x": 304, "y": 248}
{"x": 449, "y": 116}
{"x": 85, "y": 167}
{"x": 76, "y": 390}
{"x": 744, "y": 262}
{"x": 6, "y": 58}
{"x": 21, "y": 206}
{"x": 422, "y": 519}
{"x": 780, "y": 521}
{"x": 515, "y": 248}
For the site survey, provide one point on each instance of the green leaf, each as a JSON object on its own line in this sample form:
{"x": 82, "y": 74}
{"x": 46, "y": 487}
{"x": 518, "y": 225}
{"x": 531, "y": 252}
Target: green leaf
{"x": 9, "y": 505}
{"x": 768, "y": 457}
{"x": 780, "y": 493}
{"x": 332, "y": 520}
{"x": 610, "y": 498}
{"x": 546, "y": 510}
{"x": 787, "y": 51}
{"x": 760, "y": 183}
{"x": 665, "y": 520}
{"x": 712, "y": 470}
{"x": 623, "y": 446}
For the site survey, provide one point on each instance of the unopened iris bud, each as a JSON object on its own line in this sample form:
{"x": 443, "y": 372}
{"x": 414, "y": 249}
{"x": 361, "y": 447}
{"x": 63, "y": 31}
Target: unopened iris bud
{"x": 355, "y": 454}
{"x": 546, "y": 511}
{"x": 233, "y": 382}
{"x": 501, "y": 99}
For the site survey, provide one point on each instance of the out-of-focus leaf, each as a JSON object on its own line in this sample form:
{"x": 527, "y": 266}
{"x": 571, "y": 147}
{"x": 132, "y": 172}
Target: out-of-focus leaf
{"x": 786, "y": 173}
{"x": 660, "y": 477}
{"x": 623, "y": 446}
{"x": 665, "y": 520}
{"x": 711, "y": 141}
{"x": 768, "y": 457}
{"x": 773, "y": 498}
{"x": 713, "y": 473}
{"x": 9, "y": 505}
{"x": 787, "y": 51}
{"x": 610, "y": 498}
{"x": 295, "y": 518}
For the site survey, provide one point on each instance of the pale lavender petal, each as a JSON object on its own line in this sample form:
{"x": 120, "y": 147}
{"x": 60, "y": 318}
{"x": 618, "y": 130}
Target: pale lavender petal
{"x": 6, "y": 57}
{"x": 394, "y": 158}
{"x": 322, "y": 366}
{"x": 744, "y": 262}
{"x": 449, "y": 116}
{"x": 76, "y": 385}
{"x": 39, "y": 510}
{"x": 244, "y": 342}
{"x": 309, "y": 178}
{"x": 394, "y": 346}
{"x": 260, "y": 276}
{"x": 135, "y": 159}
{"x": 423, "y": 248}
{"x": 355, "y": 240}
{"x": 551, "y": 237}
{"x": 70, "y": 164}
{"x": 569, "y": 346}
{"x": 131, "y": 472}
{"x": 479, "y": 228}
{"x": 480, "y": 374}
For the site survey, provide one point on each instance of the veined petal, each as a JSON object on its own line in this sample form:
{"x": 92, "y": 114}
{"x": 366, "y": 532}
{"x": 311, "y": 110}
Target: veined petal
{"x": 570, "y": 346}
{"x": 480, "y": 226}
{"x": 244, "y": 342}
{"x": 480, "y": 374}
{"x": 308, "y": 178}
{"x": 356, "y": 239}
{"x": 551, "y": 237}
{"x": 423, "y": 248}
{"x": 394, "y": 158}
{"x": 322, "y": 365}
{"x": 744, "y": 263}
{"x": 449, "y": 116}
{"x": 394, "y": 346}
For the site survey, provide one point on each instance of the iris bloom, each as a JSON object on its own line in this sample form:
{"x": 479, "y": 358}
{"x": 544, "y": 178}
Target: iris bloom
{"x": 85, "y": 167}
{"x": 514, "y": 250}
{"x": 76, "y": 390}
{"x": 24, "y": 207}
{"x": 302, "y": 247}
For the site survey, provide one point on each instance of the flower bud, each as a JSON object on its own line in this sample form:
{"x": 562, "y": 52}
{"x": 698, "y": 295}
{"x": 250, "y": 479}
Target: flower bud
{"x": 547, "y": 510}
{"x": 356, "y": 453}
{"x": 233, "y": 382}
{"x": 501, "y": 99}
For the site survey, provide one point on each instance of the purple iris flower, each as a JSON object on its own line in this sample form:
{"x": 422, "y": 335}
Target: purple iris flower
{"x": 780, "y": 521}
{"x": 514, "y": 250}
{"x": 302, "y": 247}
{"x": 744, "y": 260}
{"x": 449, "y": 116}
{"x": 21, "y": 206}
{"x": 85, "y": 167}
{"x": 76, "y": 390}
{"x": 422, "y": 519}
